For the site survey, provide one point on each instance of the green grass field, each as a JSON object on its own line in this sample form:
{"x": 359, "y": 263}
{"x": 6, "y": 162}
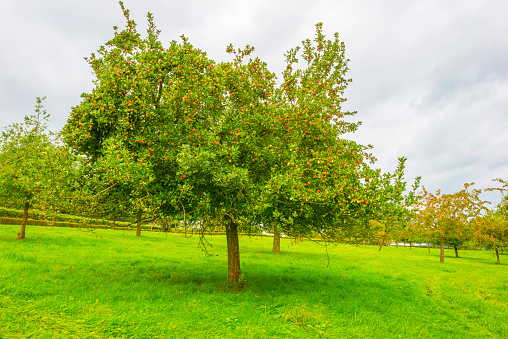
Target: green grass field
{"x": 67, "y": 283}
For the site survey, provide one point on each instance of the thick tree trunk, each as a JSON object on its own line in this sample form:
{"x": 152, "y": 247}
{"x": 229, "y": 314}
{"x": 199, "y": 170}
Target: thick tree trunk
{"x": 441, "y": 255}
{"x": 456, "y": 251}
{"x": 138, "y": 226}
{"x": 21, "y": 234}
{"x": 233, "y": 251}
{"x": 410, "y": 246}
{"x": 276, "y": 241}
{"x": 497, "y": 254}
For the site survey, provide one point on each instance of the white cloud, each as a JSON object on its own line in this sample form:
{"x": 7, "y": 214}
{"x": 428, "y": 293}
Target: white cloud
{"x": 430, "y": 78}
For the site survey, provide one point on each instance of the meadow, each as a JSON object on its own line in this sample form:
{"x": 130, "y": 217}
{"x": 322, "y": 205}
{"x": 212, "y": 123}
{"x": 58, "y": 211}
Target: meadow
{"x": 72, "y": 283}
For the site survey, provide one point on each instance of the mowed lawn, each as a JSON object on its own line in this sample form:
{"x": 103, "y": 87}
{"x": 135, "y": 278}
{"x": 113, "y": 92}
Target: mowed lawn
{"x": 70, "y": 283}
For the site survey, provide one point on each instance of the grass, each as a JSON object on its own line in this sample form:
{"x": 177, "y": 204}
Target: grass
{"x": 66, "y": 283}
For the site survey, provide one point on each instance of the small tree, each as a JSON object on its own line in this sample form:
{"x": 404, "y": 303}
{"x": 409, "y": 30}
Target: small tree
{"x": 36, "y": 170}
{"x": 446, "y": 216}
{"x": 491, "y": 232}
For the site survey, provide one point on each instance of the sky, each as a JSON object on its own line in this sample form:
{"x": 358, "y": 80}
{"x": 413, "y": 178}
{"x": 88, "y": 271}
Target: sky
{"x": 430, "y": 78}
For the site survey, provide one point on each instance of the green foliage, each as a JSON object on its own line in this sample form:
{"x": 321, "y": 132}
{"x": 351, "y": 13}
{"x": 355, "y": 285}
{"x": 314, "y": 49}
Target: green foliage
{"x": 43, "y": 218}
{"x": 167, "y": 131}
{"x": 36, "y": 169}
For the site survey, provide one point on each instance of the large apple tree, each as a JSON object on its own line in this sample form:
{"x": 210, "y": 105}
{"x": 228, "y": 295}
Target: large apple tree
{"x": 224, "y": 142}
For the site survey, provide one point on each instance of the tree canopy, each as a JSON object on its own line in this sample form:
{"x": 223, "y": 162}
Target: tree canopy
{"x": 226, "y": 142}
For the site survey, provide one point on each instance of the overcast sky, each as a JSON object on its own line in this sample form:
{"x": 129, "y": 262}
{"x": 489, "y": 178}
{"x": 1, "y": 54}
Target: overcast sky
{"x": 430, "y": 78}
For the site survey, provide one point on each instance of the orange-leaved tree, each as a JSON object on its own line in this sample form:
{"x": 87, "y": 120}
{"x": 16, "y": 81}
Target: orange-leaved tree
{"x": 491, "y": 231}
{"x": 445, "y": 217}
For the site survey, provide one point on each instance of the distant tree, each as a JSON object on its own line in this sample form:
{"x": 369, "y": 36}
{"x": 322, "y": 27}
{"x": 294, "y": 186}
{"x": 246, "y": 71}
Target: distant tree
{"x": 491, "y": 232}
{"x": 445, "y": 217}
{"x": 36, "y": 170}
{"x": 391, "y": 209}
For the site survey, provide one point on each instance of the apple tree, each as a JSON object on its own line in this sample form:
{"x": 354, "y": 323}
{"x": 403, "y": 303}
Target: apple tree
{"x": 221, "y": 141}
{"x": 36, "y": 169}
{"x": 446, "y": 216}
{"x": 491, "y": 232}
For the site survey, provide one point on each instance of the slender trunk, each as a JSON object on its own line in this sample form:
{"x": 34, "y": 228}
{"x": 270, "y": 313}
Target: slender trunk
{"x": 21, "y": 234}
{"x": 456, "y": 251}
{"x": 233, "y": 251}
{"x": 497, "y": 254}
{"x": 410, "y": 246}
{"x": 428, "y": 247}
{"x": 364, "y": 244}
{"x": 380, "y": 246}
{"x": 397, "y": 244}
{"x": 138, "y": 226}
{"x": 276, "y": 241}
{"x": 356, "y": 241}
{"x": 441, "y": 256}
{"x": 175, "y": 225}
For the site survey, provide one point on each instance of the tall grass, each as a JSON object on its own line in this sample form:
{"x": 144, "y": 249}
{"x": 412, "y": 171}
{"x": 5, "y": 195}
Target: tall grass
{"x": 66, "y": 283}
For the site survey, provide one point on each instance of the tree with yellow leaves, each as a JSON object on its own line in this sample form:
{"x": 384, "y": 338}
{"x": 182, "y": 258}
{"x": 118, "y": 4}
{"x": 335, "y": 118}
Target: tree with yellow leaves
{"x": 445, "y": 217}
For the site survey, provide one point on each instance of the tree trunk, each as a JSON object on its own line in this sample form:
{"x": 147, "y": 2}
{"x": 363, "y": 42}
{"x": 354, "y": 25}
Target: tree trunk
{"x": 456, "y": 251}
{"x": 380, "y": 246}
{"x": 428, "y": 247}
{"x": 233, "y": 251}
{"x": 276, "y": 241}
{"x": 138, "y": 226}
{"x": 497, "y": 254}
{"x": 21, "y": 234}
{"x": 441, "y": 255}
{"x": 410, "y": 246}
